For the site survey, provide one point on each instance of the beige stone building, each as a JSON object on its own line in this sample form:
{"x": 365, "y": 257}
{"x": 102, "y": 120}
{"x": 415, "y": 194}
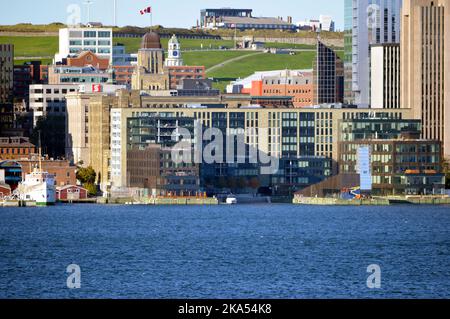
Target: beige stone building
{"x": 149, "y": 74}
{"x": 425, "y": 63}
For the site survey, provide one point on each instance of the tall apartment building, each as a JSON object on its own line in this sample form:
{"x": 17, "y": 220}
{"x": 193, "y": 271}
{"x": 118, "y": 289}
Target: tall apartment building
{"x": 328, "y": 74}
{"x": 73, "y": 41}
{"x": 385, "y": 76}
{"x": 25, "y": 75}
{"x": 425, "y": 63}
{"x": 6, "y": 85}
{"x": 367, "y": 22}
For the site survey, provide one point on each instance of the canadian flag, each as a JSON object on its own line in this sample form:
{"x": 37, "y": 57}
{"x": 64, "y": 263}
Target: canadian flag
{"x": 96, "y": 88}
{"x": 146, "y": 10}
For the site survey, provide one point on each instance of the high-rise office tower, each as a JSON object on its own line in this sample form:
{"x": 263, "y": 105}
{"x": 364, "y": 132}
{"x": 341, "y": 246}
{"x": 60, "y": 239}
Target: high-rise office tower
{"x": 425, "y": 63}
{"x": 328, "y": 72}
{"x": 6, "y": 86}
{"x": 367, "y": 22}
{"x": 385, "y": 76}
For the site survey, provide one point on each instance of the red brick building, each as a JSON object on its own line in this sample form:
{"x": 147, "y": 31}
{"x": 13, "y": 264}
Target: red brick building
{"x": 179, "y": 73}
{"x": 123, "y": 74}
{"x": 65, "y": 173}
{"x": 88, "y": 58}
{"x": 44, "y": 74}
{"x": 15, "y": 148}
{"x": 297, "y": 84}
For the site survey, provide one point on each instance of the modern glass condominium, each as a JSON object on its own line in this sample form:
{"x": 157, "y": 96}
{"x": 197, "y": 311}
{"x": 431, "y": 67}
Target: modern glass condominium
{"x": 367, "y": 22}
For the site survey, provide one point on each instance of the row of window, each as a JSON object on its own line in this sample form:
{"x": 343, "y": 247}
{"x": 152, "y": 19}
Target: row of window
{"x": 14, "y": 151}
{"x": 90, "y": 42}
{"x": 52, "y": 91}
{"x": 90, "y": 34}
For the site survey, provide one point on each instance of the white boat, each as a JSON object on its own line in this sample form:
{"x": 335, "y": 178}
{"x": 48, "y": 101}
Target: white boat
{"x": 38, "y": 186}
{"x": 231, "y": 200}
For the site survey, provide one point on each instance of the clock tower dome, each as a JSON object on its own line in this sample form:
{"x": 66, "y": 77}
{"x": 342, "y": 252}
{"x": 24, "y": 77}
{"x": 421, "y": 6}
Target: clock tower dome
{"x": 174, "y": 55}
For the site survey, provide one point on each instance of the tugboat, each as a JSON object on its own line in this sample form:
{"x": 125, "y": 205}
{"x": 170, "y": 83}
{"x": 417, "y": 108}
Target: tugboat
{"x": 38, "y": 186}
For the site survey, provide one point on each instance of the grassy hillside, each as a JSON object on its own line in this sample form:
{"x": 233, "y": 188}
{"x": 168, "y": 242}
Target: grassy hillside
{"x": 133, "y": 44}
{"x": 32, "y": 46}
{"x": 210, "y": 58}
{"x": 263, "y": 62}
{"x": 47, "y": 46}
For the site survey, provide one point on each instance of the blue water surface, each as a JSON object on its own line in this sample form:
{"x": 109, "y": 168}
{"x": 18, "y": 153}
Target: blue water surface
{"x": 248, "y": 251}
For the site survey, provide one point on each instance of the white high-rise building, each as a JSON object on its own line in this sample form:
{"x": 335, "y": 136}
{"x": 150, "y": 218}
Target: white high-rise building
{"x": 367, "y": 22}
{"x": 174, "y": 54}
{"x": 73, "y": 41}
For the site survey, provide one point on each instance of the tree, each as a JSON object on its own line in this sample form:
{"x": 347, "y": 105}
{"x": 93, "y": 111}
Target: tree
{"x": 86, "y": 175}
{"x": 91, "y": 188}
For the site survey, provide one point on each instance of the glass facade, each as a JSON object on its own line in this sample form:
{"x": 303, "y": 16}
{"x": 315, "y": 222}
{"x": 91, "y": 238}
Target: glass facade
{"x": 367, "y": 22}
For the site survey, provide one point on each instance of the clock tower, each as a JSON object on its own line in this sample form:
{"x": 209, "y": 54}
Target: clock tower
{"x": 174, "y": 55}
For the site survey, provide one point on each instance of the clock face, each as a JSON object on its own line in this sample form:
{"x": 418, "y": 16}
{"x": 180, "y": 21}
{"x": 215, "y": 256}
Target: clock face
{"x": 175, "y": 53}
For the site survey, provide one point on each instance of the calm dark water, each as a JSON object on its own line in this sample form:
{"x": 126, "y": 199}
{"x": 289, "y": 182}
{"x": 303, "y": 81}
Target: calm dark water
{"x": 260, "y": 251}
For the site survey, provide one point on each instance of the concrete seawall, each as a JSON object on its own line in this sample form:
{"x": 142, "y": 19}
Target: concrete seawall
{"x": 376, "y": 201}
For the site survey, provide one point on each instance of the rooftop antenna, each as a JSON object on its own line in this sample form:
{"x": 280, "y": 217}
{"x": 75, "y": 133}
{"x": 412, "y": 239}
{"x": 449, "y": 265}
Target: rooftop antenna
{"x": 88, "y": 4}
{"x": 115, "y": 12}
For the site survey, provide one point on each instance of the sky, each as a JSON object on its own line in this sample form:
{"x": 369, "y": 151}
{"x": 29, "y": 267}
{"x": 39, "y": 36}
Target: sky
{"x": 168, "y": 13}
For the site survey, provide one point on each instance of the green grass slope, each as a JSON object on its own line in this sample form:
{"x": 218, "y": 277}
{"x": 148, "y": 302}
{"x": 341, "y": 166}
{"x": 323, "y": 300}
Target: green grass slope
{"x": 262, "y": 62}
{"x": 32, "y": 46}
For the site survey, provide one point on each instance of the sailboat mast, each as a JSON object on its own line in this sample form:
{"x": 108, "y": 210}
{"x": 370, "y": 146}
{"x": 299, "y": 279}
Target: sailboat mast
{"x": 40, "y": 153}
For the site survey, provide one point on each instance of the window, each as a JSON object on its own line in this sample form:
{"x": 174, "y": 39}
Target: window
{"x": 90, "y": 34}
{"x": 104, "y": 50}
{"x": 75, "y": 50}
{"x": 104, "y": 34}
{"x": 75, "y": 34}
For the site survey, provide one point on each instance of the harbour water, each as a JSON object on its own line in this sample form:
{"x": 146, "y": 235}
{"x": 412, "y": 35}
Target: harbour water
{"x": 243, "y": 251}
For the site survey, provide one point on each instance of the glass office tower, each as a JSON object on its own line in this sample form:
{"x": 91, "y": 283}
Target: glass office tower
{"x": 367, "y": 22}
